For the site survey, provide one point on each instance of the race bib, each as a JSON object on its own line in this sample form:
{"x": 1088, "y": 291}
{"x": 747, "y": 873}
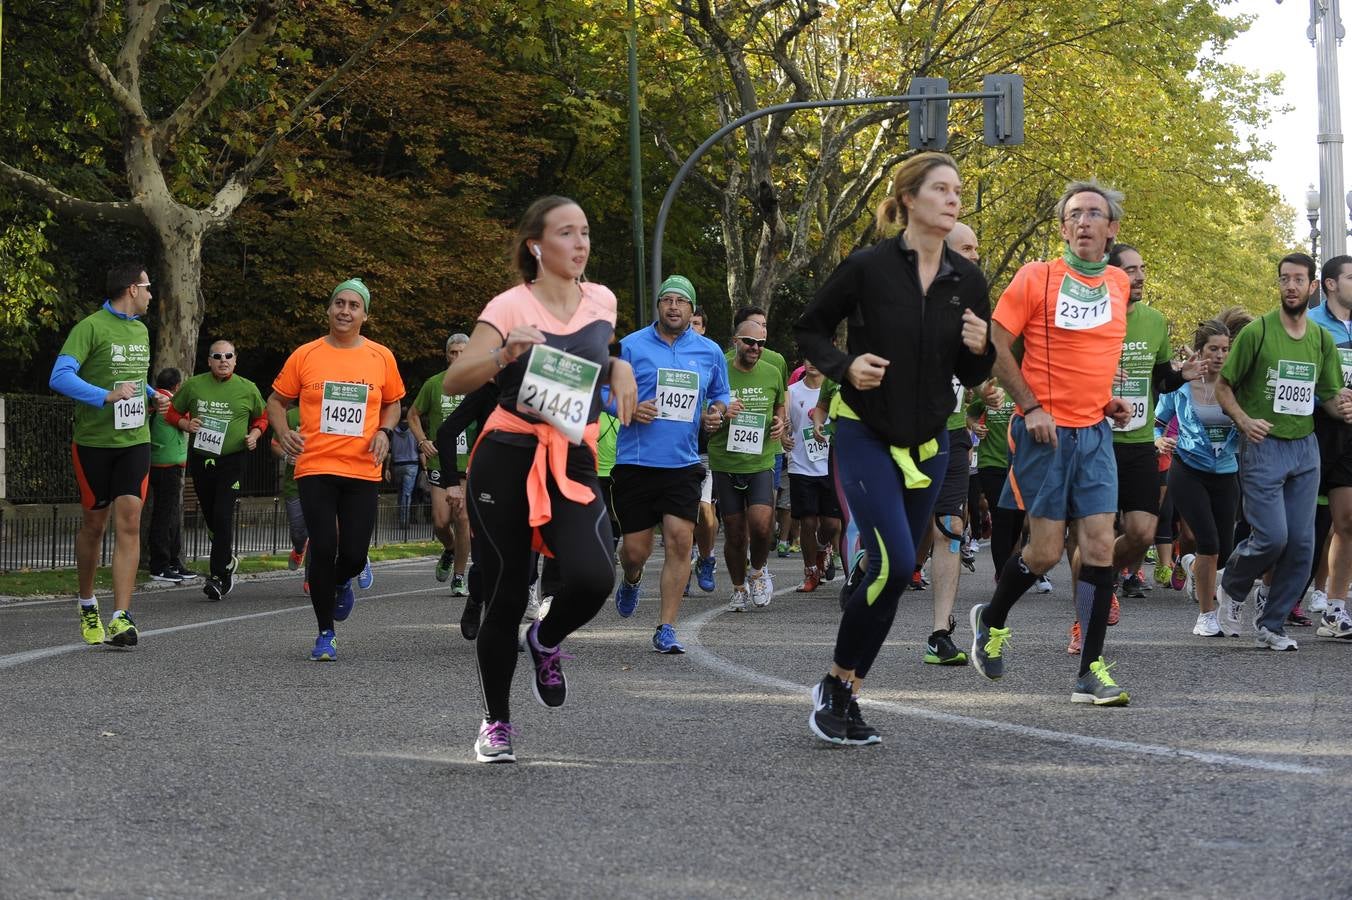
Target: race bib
{"x": 558, "y": 388}
{"x": 1218, "y": 435}
{"x": 344, "y": 408}
{"x": 1294, "y": 393}
{"x": 1345, "y": 357}
{"x": 1080, "y": 307}
{"x": 461, "y": 444}
{"x": 816, "y": 450}
{"x": 1136, "y": 393}
{"x": 958, "y": 392}
{"x": 129, "y": 413}
{"x": 677, "y": 394}
{"x": 746, "y": 433}
{"x": 210, "y": 438}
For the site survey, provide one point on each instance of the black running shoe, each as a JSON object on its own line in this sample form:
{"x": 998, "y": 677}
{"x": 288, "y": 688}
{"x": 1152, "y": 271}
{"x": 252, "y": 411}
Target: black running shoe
{"x": 1133, "y": 587}
{"x": 830, "y": 709}
{"x": 940, "y": 649}
{"x": 857, "y": 731}
{"x": 469, "y": 619}
{"x": 215, "y": 588}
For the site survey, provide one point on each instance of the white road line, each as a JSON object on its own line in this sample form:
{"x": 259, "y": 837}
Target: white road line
{"x": 28, "y": 656}
{"x": 701, "y": 654}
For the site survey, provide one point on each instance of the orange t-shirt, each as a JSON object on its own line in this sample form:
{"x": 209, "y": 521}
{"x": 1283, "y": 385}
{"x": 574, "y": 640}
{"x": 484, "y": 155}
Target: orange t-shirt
{"x": 341, "y": 392}
{"x": 1072, "y": 328}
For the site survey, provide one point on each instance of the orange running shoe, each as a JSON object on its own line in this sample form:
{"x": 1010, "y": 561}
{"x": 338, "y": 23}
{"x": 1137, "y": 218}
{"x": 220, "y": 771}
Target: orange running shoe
{"x": 811, "y": 580}
{"x": 1114, "y": 611}
{"x": 1074, "y": 648}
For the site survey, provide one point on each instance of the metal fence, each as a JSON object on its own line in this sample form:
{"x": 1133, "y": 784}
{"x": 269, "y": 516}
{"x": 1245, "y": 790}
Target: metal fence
{"x": 38, "y": 432}
{"x": 44, "y": 538}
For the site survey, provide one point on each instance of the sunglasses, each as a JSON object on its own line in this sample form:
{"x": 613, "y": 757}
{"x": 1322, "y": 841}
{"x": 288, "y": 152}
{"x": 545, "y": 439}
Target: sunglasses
{"x": 222, "y": 356}
{"x": 751, "y": 342}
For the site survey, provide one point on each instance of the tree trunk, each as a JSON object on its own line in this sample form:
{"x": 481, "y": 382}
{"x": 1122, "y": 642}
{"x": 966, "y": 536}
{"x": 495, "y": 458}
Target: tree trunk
{"x": 178, "y": 292}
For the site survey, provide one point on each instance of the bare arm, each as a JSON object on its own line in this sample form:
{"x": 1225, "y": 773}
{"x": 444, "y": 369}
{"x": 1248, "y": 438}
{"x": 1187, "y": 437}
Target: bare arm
{"x": 1039, "y": 422}
{"x": 486, "y": 355}
{"x": 290, "y": 442}
{"x": 1253, "y": 429}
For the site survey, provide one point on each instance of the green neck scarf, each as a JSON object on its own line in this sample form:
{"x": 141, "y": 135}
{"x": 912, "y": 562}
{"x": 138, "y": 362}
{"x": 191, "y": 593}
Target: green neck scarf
{"x": 1090, "y": 269}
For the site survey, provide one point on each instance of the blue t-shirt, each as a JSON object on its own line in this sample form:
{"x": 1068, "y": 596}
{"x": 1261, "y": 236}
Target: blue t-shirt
{"x": 1207, "y": 440}
{"x": 693, "y": 362}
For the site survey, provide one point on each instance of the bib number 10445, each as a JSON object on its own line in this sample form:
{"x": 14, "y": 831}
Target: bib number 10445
{"x": 558, "y": 388}
{"x": 131, "y": 412}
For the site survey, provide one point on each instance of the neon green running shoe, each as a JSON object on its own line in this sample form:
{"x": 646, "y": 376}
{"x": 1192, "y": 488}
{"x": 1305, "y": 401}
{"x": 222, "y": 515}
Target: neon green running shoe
{"x": 1098, "y": 687}
{"x": 1163, "y": 575}
{"x": 121, "y": 631}
{"x": 91, "y": 626}
{"x": 444, "y": 565}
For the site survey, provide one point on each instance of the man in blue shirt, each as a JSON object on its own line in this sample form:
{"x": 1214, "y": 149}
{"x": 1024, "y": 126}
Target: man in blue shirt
{"x": 1335, "y": 451}
{"x": 682, "y": 386}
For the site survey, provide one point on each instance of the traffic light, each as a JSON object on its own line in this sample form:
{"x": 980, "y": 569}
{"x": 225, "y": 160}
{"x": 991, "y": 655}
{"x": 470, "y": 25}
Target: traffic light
{"x": 928, "y": 118}
{"x": 1004, "y": 114}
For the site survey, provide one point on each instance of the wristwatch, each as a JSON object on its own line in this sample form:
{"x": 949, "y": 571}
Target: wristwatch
{"x": 389, "y": 433}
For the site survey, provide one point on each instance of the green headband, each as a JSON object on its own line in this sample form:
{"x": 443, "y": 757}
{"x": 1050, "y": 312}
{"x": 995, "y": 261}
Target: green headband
{"x": 678, "y": 284}
{"x": 357, "y": 287}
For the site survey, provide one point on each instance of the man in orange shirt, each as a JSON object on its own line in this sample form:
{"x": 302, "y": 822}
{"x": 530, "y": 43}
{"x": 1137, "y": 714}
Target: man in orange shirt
{"x": 1072, "y": 315}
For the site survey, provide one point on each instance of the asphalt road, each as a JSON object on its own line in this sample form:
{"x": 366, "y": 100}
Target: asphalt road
{"x": 215, "y": 760}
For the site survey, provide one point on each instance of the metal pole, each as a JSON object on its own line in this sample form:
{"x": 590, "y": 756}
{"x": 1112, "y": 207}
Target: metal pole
{"x": 636, "y": 173}
{"x": 1329, "y": 30}
{"x": 659, "y": 226}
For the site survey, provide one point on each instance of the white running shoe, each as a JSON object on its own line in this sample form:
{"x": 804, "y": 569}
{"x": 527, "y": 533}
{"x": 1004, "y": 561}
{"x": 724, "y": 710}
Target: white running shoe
{"x": 533, "y": 602}
{"x": 1189, "y": 586}
{"x": 1043, "y": 585}
{"x": 1271, "y": 640}
{"x": 1260, "y": 599}
{"x": 762, "y": 589}
{"x": 1335, "y": 623}
{"x": 1230, "y": 612}
{"x": 1208, "y": 625}
{"x": 739, "y": 600}
{"x": 1318, "y": 602}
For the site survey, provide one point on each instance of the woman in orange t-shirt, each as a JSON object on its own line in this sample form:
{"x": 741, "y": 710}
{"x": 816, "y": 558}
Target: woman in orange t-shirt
{"x": 348, "y": 388}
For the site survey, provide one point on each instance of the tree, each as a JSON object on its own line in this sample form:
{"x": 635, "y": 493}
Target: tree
{"x": 167, "y": 184}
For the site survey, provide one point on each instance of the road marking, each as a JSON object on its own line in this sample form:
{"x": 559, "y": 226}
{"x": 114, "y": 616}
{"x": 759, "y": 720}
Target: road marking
{"x": 28, "y": 656}
{"x": 701, "y": 654}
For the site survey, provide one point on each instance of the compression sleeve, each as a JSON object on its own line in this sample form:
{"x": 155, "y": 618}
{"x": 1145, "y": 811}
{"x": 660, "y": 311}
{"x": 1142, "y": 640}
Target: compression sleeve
{"x": 67, "y": 381}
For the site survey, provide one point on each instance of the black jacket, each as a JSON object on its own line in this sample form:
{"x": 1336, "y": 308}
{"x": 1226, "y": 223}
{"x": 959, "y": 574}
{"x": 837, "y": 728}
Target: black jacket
{"x": 878, "y": 290}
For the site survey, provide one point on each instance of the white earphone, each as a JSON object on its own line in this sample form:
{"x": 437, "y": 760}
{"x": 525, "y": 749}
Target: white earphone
{"x": 535, "y": 250}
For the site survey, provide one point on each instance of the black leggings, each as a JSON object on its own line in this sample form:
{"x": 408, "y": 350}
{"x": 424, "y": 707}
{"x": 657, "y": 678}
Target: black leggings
{"x": 216, "y": 481}
{"x": 1207, "y": 503}
{"x": 1006, "y": 524}
{"x": 578, "y": 536}
{"x": 340, "y": 514}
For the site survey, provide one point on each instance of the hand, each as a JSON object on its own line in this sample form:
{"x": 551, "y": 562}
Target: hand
{"x": 251, "y": 439}
{"x": 992, "y": 394}
{"x": 867, "y": 371}
{"x": 1255, "y": 429}
{"x": 1166, "y": 444}
{"x": 624, "y": 389}
{"x": 778, "y": 431}
{"x": 1193, "y": 368}
{"x": 735, "y": 407}
{"x": 977, "y": 427}
{"x": 643, "y": 413}
{"x": 192, "y": 426}
{"x": 1041, "y": 426}
{"x": 456, "y": 495}
{"x": 292, "y": 443}
{"x": 426, "y": 449}
{"x": 975, "y": 332}
{"x": 1119, "y": 411}
{"x": 1120, "y": 379}
{"x": 712, "y": 418}
{"x": 379, "y": 447}
{"x": 1344, "y": 400}
{"x": 161, "y": 404}
{"x": 124, "y": 391}
{"x": 519, "y": 341}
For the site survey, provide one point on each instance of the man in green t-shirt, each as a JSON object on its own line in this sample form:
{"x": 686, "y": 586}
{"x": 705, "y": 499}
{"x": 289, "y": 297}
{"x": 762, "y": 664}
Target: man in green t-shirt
{"x": 1279, "y": 367}
{"x": 168, "y": 459}
{"x": 742, "y": 456}
{"x": 104, "y": 365}
{"x": 226, "y": 417}
{"x": 290, "y": 494}
{"x": 429, "y": 410}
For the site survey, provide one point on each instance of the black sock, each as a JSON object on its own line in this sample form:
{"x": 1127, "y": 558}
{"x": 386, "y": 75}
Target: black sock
{"x": 1093, "y": 599}
{"x": 1014, "y": 582}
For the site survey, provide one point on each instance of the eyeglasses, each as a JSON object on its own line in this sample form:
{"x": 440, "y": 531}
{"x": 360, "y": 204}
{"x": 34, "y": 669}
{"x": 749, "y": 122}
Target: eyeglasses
{"x": 141, "y": 284}
{"x": 751, "y": 342}
{"x": 671, "y": 300}
{"x": 1093, "y": 215}
{"x": 222, "y": 356}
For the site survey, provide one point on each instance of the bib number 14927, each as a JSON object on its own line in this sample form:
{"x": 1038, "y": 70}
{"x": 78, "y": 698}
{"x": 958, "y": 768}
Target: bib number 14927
{"x": 558, "y": 388}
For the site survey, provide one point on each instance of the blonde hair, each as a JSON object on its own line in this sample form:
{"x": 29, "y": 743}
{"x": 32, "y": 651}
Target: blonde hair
{"x": 907, "y": 181}
{"x": 1234, "y": 318}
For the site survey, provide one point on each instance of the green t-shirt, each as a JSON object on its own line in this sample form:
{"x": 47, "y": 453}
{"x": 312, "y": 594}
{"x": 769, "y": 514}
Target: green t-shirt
{"x": 1145, "y": 346}
{"x": 433, "y": 407}
{"x": 993, "y": 451}
{"x": 958, "y": 417}
{"x": 761, "y": 391}
{"x": 111, "y": 350}
{"x": 1280, "y": 379}
{"x": 224, "y": 409}
{"x": 779, "y": 362}
{"x": 605, "y": 444}
{"x": 289, "y": 488}
{"x": 168, "y": 443}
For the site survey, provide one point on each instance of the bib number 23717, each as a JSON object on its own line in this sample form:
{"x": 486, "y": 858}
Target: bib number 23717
{"x": 344, "y": 408}
{"x": 1080, "y": 307}
{"x": 558, "y": 388}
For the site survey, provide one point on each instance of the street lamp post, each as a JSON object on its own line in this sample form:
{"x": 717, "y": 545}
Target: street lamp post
{"x": 1312, "y": 213}
{"x": 1325, "y": 31}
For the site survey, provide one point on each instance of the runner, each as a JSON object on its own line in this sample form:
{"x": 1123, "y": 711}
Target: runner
{"x": 348, "y": 388}
{"x": 1335, "y": 445}
{"x": 811, "y": 486}
{"x": 917, "y": 317}
{"x": 469, "y": 417}
{"x": 1202, "y": 477}
{"x": 783, "y": 523}
{"x": 1278, "y": 369}
{"x": 225, "y": 417}
{"x": 429, "y": 410}
{"x": 683, "y": 380}
{"x": 706, "y": 528}
{"x": 1072, "y": 315}
{"x": 168, "y": 459}
{"x": 741, "y": 455}
{"x": 290, "y": 494}
{"x": 992, "y": 468}
{"x": 104, "y": 364}
{"x": 532, "y": 477}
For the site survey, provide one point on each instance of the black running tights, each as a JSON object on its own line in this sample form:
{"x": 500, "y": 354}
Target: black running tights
{"x": 340, "y": 514}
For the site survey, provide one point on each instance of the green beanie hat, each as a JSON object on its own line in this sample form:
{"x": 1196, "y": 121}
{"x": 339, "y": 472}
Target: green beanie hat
{"x": 678, "y": 284}
{"x": 356, "y": 286}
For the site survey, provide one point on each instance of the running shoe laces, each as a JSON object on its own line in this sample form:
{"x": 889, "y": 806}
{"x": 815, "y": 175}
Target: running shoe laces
{"x": 1099, "y": 669}
{"x": 996, "y": 642}
{"x": 499, "y": 734}
{"x": 548, "y": 665}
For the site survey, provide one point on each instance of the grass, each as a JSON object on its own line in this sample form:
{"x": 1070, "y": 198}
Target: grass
{"x": 56, "y": 582}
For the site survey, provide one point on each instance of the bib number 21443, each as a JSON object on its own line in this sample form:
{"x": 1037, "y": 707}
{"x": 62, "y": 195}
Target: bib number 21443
{"x": 558, "y": 388}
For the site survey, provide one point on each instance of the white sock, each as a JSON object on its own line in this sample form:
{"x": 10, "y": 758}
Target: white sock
{"x": 120, "y": 614}
{"x": 89, "y": 602}
{"x": 755, "y": 573}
